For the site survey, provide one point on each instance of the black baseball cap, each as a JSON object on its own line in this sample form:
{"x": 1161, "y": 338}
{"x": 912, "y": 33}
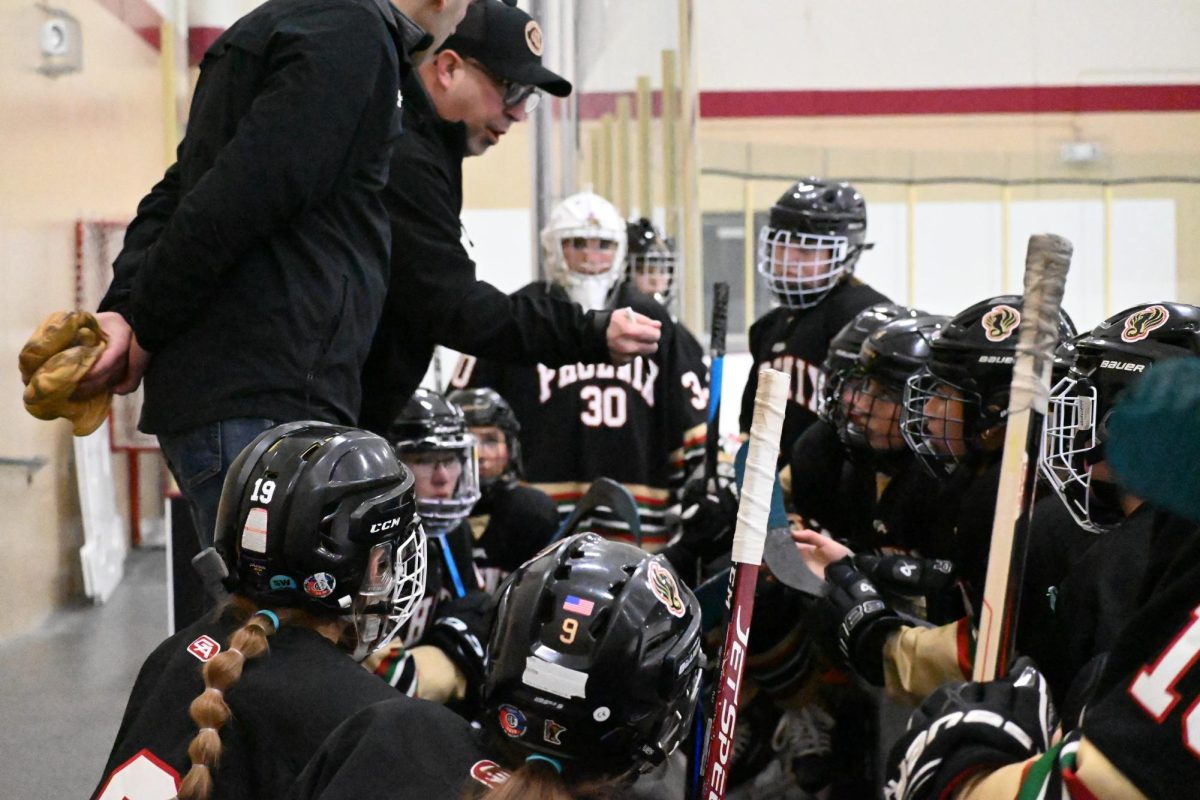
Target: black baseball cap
{"x": 508, "y": 42}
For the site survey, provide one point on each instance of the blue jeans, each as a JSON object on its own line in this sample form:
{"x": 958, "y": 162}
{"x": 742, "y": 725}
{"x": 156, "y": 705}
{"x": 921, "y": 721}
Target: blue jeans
{"x": 200, "y": 457}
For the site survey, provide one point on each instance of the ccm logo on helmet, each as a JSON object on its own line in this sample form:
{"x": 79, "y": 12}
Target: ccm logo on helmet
{"x": 1124, "y": 366}
{"x": 379, "y": 527}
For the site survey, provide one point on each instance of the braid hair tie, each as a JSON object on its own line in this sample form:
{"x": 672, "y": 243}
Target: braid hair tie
{"x": 554, "y": 762}
{"x": 271, "y": 615}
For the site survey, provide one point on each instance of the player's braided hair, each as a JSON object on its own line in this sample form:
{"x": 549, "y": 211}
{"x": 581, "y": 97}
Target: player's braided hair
{"x": 209, "y": 710}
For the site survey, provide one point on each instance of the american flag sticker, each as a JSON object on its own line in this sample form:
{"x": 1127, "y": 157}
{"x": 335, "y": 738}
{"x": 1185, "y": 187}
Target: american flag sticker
{"x": 577, "y": 605}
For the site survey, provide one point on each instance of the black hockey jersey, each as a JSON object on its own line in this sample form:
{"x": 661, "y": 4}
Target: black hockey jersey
{"x": 641, "y": 424}
{"x": 407, "y": 749}
{"x": 795, "y": 341}
{"x": 1146, "y": 719}
{"x": 284, "y": 705}
{"x": 404, "y": 748}
{"x": 510, "y": 523}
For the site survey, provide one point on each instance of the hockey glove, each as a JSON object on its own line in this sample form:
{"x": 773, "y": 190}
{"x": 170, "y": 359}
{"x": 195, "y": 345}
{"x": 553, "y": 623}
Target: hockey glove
{"x": 460, "y": 631}
{"x": 709, "y": 515}
{"x": 964, "y": 728}
{"x": 854, "y": 620}
{"x": 906, "y": 575}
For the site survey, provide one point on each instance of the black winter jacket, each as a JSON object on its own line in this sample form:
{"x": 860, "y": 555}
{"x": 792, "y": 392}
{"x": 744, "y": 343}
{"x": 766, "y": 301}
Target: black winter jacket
{"x": 255, "y": 270}
{"x": 434, "y": 297}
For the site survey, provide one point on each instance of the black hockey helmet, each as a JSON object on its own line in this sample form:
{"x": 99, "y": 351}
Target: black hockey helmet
{"x": 1108, "y": 359}
{"x": 816, "y": 216}
{"x": 650, "y": 254}
{"x": 842, "y": 355}
{"x": 323, "y": 517}
{"x": 886, "y": 360}
{"x": 594, "y": 657}
{"x": 430, "y": 428}
{"x": 485, "y": 408}
{"x": 969, "y": 368}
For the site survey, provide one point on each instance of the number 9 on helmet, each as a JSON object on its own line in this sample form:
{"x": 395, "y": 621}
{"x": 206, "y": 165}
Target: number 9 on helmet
{"x": 594, "y": 658}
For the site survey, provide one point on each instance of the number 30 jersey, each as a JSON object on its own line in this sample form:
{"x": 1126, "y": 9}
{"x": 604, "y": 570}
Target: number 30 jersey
{"x": 641, "y": 424}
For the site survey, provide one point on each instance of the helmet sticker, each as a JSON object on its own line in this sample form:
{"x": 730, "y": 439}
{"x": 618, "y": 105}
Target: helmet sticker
{"x": 663, "y": 584}
{"x": 551, "y": 731}
{"x": 533, "y": 37}
{"x": 601, "y": 714}
{"x": 489, "y": 773}
{"x": 320, "y": 585}
{"x": 554, "y": 678}
{"x": 204, "y": 648}
{"x": 254, "y": 531}
{"x": 1139, "y": 324}
{"x": 577, "y": 605}
{"x": 512, "y": 721}
{"x": 280, "y": 583}
{"x": 999, "y": 323}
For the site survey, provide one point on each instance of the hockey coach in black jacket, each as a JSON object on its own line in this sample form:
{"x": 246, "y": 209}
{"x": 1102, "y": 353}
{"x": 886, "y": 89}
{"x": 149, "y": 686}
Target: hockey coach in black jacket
{"x": 486, "y": 78}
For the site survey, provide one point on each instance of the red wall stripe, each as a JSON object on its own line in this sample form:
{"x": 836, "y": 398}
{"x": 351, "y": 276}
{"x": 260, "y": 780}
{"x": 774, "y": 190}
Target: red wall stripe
{"x": 139, "y": 15}
{"x": 145, "y": 20}
{"x": 999, "y": 100}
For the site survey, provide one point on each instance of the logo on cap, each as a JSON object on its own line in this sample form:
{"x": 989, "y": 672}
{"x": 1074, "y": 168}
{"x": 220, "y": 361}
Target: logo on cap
{"x": 1139, "y": 324}
{"x": 1000, "y": 322}
{"x": 533, "y": 37}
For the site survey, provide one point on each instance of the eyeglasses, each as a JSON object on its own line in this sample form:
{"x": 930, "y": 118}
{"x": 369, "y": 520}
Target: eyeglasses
{"x": 511, "y": 93}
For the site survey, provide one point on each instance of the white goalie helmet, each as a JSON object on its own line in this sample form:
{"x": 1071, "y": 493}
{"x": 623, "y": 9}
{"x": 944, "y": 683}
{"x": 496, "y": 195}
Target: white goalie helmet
{"x": 584, "y": 248}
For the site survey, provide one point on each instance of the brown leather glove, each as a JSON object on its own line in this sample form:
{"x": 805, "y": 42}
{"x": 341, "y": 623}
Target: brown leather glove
{"x": 56, "y": 357}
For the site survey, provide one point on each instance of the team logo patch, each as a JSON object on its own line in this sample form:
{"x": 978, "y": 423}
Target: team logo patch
{"x": 319, "y": 585}
{"x": 254, "y": 531}
{"x": 665, "y": 588}
{"x": 999, "y": 323}
{"x": 551, "y": 731}
{"x": 601, "y": 714}
{"x": 204, "y": 648}
{"x": 512, "y": 721}
{"x": 533, "y": 37}
{"x": 1139, "y": 324}
{"x": 281, "y": 582}
{"x": 489, "y": 773}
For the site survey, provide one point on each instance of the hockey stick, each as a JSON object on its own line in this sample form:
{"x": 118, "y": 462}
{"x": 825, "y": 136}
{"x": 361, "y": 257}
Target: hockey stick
{"x": 748, "y": 537}
{"x": 604, "y": 493}
{"x": 716, "y": 373}
{"x": 1046, "y": 264}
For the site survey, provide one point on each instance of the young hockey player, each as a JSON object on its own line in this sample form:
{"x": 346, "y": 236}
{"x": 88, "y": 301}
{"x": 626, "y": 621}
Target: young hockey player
{"x": 592, "y": 677}
{"x": 953, "y": 420}
{"x": 641, "y": 423}
{"x": 650, "y": 261}
{"x": 1100, "y": 594}
{"x": 993, "y": 740}
{"x": 439, "y": 654}
{"x": 511, "y": 521}
{"x": 807, "y": 252}
{"x": 318, "y": 529}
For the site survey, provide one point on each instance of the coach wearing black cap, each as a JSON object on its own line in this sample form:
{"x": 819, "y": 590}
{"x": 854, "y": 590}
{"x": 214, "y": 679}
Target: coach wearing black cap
{"x": 486, "y": 78}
